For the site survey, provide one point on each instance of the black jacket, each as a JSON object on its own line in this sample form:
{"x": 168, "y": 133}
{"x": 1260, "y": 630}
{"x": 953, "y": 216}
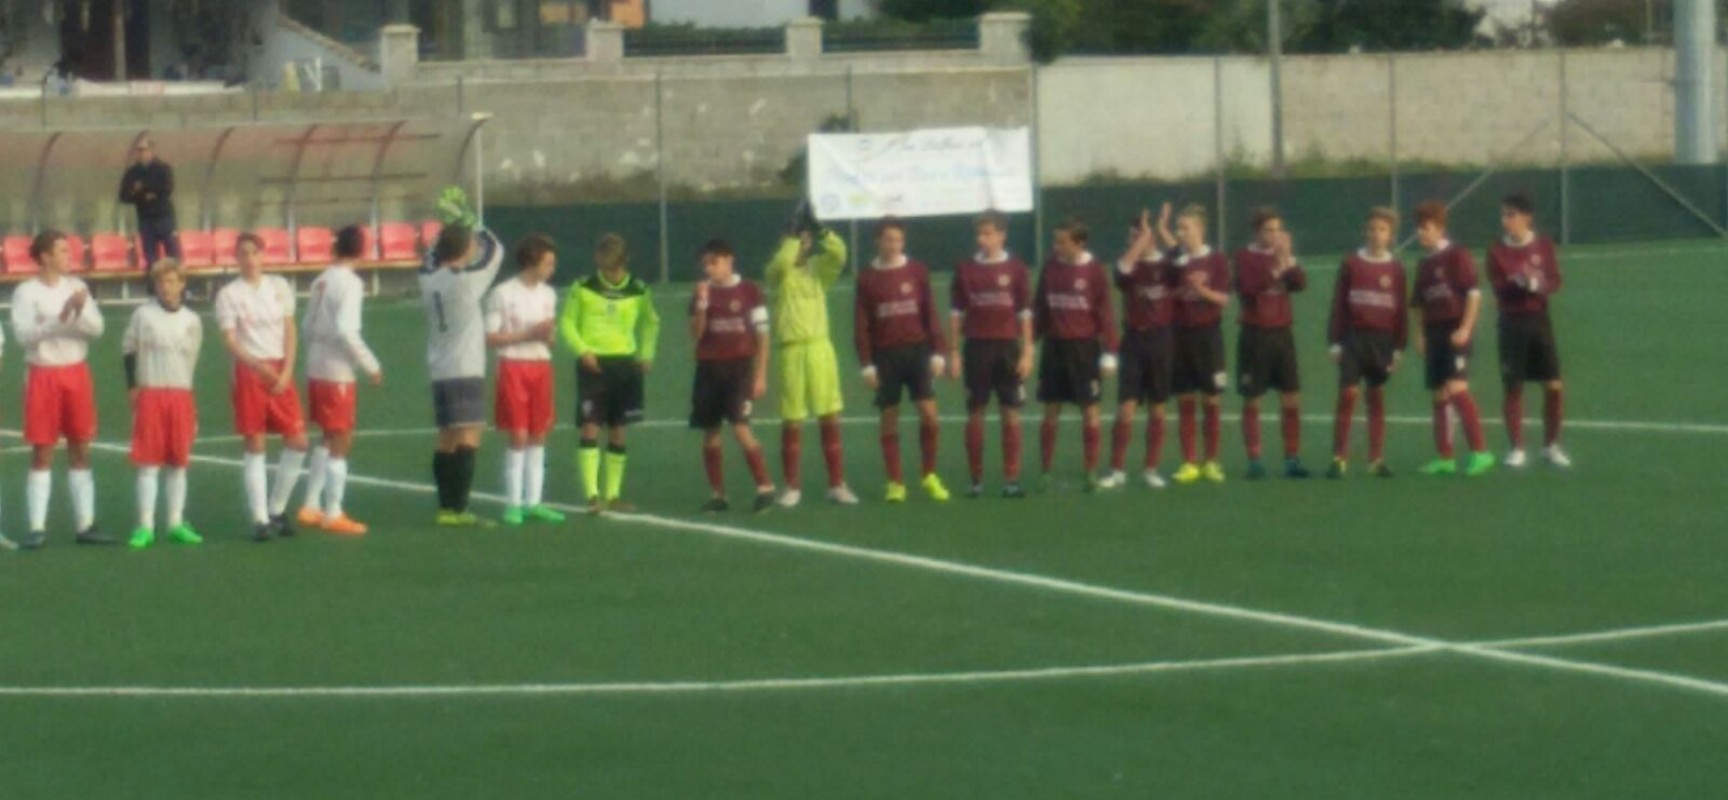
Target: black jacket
{"x": 150, "y": 187}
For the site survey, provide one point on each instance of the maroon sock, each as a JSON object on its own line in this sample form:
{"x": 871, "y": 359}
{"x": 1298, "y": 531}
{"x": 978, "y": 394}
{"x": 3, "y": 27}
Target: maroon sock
{"x": 1120, "y": 435}
{"x": 1443, "y": 431}
{"x": 1553, "y": 406}
{"x": 791, "y": 455}
{"x": 1185, "y": 411}
{"x": 1471, "y": 417}
{"x": 1514, "y": 414}
{"x": 1047, "y": 442}
{"x": 1376, "y": 424}
{"x": 1091, "y": 436}
{"x": 929, "y": 436}
{"x": 1013, "y": 448}
{"x": 1290, "y": 418}
{"x": 1154, "y": 439}
{"x": 833, "y": 454}
{"x": 975, "y": 448}
{"x": 1214, "y": 429}
{"x": 758, "y": 467}
{"x": 715, "y": 467}
{"x": 891, "y": 456}
{"x": 1251, "y": 430}
{"x": 1341, "y": 424}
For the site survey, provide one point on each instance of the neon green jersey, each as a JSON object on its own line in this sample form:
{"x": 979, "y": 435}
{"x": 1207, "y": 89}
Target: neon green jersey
{"x": 610, "y": 320}
{"x": 800, "y": 305}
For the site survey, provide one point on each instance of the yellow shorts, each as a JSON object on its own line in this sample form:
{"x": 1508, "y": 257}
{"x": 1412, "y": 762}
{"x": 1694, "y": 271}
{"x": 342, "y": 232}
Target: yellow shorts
{"x": 809, "y": 381}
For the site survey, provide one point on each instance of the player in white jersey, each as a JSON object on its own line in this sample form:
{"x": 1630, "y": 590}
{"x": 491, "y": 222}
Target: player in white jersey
{"x": 335, "y": 354}
{"x": 55, "y": 318}
{"x": 521, "y": 323}
{"x": 256, "y": 314}
{"x": 161, "y": 354}
{"x": 453, "y": 283}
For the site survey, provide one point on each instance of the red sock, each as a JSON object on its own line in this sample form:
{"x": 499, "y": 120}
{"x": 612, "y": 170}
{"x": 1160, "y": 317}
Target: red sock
{"x": 715, "y": 466}
{"x": 1047, "y": 442}
{"x": 1376, "y": 424}
{"x": 791, "y": 455}
{"x": 929, "y": 436}
{"x": 891, "y": 456}
{"x": 1341, "y": 424}
{"x": 1013, "y": 446}
{"x": 1251, "y": 429}
{"x": 1471, "y": 417}
{"x": 1091, "y": 436}
{"x": 1552, "y": 407}
{"x": 1214, "y": 429}
{"x": 1290, "y": 418}
{"x": 1154, "y": 439}
{"x": 758, "y": 467}
{"x": 1185, "y": 428}
{"x": 1514, "y": 414}
{"x": 833, "y": 454}
{"x": 1443, "y": 431}
{"x": 975, "y": 448}
{"x": 1119, "y": 438}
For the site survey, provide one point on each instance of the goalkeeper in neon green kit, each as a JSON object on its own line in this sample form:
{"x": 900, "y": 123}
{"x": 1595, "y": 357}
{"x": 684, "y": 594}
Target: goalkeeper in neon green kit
{"x": 809, "y": 261}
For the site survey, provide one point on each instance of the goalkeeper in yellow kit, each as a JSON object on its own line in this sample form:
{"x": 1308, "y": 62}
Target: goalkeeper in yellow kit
{"x": 809, "y": 261}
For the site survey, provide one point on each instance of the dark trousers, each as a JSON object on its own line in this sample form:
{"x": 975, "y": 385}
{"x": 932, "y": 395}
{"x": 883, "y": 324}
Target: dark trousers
{"x": 159, "y": 239}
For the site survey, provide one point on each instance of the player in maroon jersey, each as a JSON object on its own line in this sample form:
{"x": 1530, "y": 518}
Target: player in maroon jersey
{"x": 1071, "y": 312}
{"x": 899, "y": 341}
{"x": 1448, "y": 295}
{"x": 991, "y": 333}
{"x": 729, "y": 321}
{"x": 1368, "y": 331}
{"x": 1267, "y": 273}
{"x": 1148, "y": 282}
{"x": 1200, "y": 374}
{"x": 1525, "y": 272}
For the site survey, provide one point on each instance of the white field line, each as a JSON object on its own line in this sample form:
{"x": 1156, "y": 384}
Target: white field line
{"x": 1616, "y": 635}
{"x": 1403, "y": 641}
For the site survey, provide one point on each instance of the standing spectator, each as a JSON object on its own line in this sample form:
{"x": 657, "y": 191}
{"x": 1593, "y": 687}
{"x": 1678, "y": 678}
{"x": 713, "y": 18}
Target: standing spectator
{"x": 149, "y": 186}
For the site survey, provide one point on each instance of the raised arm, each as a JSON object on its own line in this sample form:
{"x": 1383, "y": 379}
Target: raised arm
{"x": 785, "y": 260}
{"x": 828, "y": 258}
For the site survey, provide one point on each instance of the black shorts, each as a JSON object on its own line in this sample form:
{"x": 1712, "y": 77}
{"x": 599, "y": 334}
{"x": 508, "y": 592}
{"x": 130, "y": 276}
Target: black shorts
{"x": 1147, "y": 359}
{"x": 612, "y": 397}
{"x": 459, "y": 402}
{"x": 1070, "y": 372}
{"x": 901, "y": 371}
{"x": 1200, "y": 361}
{"x": 1444, "y": 362}
{"x": 1527, "y": 349}
{"x": 1266, "y": 361}
{"x": 721, "y": 394}
{"x": 1368, "y": 356}
{"x": 991, "y": 368}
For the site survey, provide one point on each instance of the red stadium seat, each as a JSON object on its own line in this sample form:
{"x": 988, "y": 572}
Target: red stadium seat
{"x": 110, "y": 252}
{"x": 196, "y": 250}
{"x": 429, "y": 231}
{"x": 15, "y": 253}
{"x": 278, "y": 248}
{"x": 398, "y": 241}
{"x": 79, "y": 252}
{"x": 315, "y": 245}
{"x": 224, "y": 242}
{"x": 368, "y": 243}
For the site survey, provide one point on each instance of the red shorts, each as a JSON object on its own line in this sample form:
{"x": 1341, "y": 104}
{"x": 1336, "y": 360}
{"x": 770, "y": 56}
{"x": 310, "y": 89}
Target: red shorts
{"x": 332, "y": 405}
{"x": 59, "y": 402}
{"x": 524, "y": 397}
{"x": 258, "y": 412}
{"x": 164, "y": 425}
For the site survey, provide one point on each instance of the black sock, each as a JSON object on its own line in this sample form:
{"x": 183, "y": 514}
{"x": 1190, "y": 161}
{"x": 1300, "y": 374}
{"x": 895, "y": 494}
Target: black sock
{"x": 464, "y": 477}
{"x": 441, "y": 472}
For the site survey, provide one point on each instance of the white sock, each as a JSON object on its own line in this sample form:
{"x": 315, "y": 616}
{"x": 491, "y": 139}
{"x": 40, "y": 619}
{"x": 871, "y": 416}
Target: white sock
{"x": 515, "y": 463}
{"x": 82, "y": 486}
{"x": 175, "y": 482}
{"x": 534, "y": 486}
{"x": 337, "y": 486}
{"x": 38, "y": 489}
{"x": 316, "y": 474}
{"x": 287, "y": 474}
{"x": 147, "y": 484}
{"x": 252, "y": 466}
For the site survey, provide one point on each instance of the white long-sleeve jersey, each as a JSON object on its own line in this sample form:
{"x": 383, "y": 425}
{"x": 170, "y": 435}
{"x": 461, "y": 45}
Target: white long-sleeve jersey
{"x": 455, "y": 324}
{"x": 335, "y": 351}
{"x": 165, "y": 344}
{"x": 514, "y": 307}
{"x": 48, "y": 342}
{"x": 257, "y": 315}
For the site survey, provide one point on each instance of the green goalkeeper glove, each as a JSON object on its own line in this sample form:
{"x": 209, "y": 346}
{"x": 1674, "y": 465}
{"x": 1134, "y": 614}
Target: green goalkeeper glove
{"x": 453, "y": 207}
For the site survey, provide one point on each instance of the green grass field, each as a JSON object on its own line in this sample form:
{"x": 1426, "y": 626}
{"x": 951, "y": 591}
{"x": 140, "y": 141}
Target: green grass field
{"x": 1353, "y": 639}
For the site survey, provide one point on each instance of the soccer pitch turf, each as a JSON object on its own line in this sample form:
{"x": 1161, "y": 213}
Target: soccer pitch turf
{"x": 1531, "y": 634}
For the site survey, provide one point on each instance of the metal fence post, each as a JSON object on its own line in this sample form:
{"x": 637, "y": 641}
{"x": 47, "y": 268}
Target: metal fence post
{"x": 1218, "y": 149}
{"x": 660, "y": 176}
{"x": 1037, "y": 167}
{"x": 1392, "y": 128}
{"x": 1565, "y": 157}
{"x": 851, "y": 127}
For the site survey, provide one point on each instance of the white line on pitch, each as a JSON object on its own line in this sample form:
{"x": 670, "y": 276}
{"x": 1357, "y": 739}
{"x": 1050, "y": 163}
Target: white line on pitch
{"x": 1610, "y": 636}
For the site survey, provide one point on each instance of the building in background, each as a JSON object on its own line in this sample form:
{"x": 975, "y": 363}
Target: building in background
{"x": 753, "y": 13}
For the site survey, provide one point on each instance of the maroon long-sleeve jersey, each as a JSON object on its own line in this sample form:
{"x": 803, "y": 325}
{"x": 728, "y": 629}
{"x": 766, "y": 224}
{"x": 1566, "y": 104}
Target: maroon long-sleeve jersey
{"x": 991, "y": 297}
{"x": 1444, "y": 280}
{"x": 1192, "y": 310}
{"x": 894, "y": 307}
{"x": 1370, "y": 297}
{"x": 1073, "y": 302}
{"x": 1524, "y": 276}
{"x": 736, "y": 314}
{"x": 1148, "y": 293}
{"x": 1265, "y": 294}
